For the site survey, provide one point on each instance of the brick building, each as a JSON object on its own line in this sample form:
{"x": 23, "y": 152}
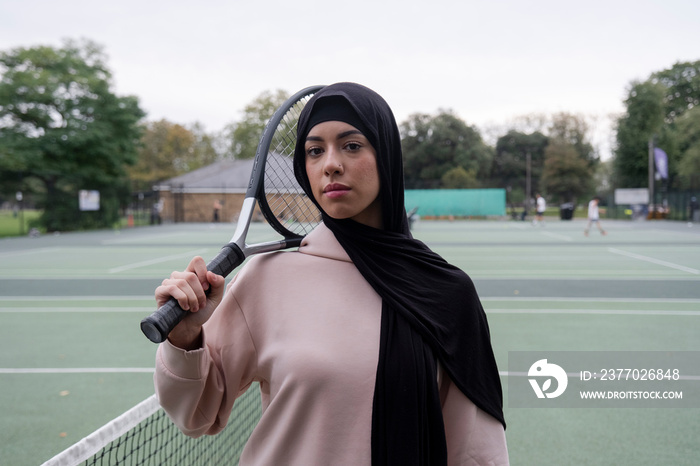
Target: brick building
{"x": 194, "y": 196}
{"x": 191, "y": 197}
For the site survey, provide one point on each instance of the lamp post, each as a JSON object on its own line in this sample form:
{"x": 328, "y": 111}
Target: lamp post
{"x": 652, "y": 206}
{"x": 528, "y": 179}
{"x": 19, "y": 198}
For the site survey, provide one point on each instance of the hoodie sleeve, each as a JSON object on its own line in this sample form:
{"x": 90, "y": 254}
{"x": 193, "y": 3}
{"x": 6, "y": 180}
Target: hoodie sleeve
{"x": 197, "y": 389}
{"x": 474, "y": 438}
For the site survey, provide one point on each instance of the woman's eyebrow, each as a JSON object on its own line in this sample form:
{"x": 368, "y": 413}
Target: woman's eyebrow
{"x": 345, "y": 134}
{"x": 342, "y": 135}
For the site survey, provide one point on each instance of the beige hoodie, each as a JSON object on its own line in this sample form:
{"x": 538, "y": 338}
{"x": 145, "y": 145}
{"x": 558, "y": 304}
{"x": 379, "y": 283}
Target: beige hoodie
{"x": 305, "y": 325}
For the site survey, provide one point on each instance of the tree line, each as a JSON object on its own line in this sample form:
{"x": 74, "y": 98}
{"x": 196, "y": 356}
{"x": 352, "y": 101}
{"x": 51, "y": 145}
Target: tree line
{"x": 62, "y": 130}
{"x": 663, "y": 110}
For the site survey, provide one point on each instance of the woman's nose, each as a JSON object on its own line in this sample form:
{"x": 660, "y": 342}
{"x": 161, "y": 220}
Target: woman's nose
{"x": 333, "y": 163}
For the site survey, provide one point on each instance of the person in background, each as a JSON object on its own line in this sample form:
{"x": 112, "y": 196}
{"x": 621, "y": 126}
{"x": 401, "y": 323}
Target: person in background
{"x": 217, "y": 210}
{"x": 540, "y": 207}
{"x": 594, "y": 216}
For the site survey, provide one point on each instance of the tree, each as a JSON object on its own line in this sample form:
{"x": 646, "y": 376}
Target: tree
{"x": 434, "y": 145}
{"x": 204, "y": 149}
{"x": 688, "y": 136}
{"x": 164, "y": 149}
{"x": 531, "y": 134}
{"x": 61, "y": 126}
{"x": 680, "y": 129}
{"x": 602, "y": 179}
{"x": 566, "y": 175}
{"x": 682, "y": 85}
{"x": 244, "y": 135}
{"x": 169, "y": 149}
{"x": 459, "y": 178}
{"x": 574, "y": 130}
{"x": 654, "y": 109}
{"x": 509, "y": 168}
{"x": 644, "y": 118}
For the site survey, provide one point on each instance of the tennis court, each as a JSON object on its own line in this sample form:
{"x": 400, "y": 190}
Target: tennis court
{"x": 72, "y": 356}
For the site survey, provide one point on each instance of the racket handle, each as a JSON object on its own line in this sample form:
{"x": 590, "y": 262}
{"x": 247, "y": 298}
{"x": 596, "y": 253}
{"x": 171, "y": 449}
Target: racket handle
{"x": 227, "y": 260}
{"x": 158, "y": 325}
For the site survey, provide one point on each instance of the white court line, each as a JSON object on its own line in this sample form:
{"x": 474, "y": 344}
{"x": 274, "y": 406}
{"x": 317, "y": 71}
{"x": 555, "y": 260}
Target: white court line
{"x": 589, "y": 274}
{"x": 75, "y": 298}
{"x": 145, "y": 310}
{"x": 145, "y": 370}
{"x": 654, "y": 261}
{"x": 77, "y": 370}
{"x": 684, "y": 232}
{"x": 638, "y": 312}
{"x": 136, "y": 265}
{"x": 483, "y": 298}
{"x": 593, "y": 300}
{"x": 525, "y": 374}
{"x": 141, "y": 238}
{"x": 557, "y": 236}
{"x": 64, "y": 275}
{"x": 59, "y": 310}
{"x": 576, "y": 374}
{"x": 29, "y": 251}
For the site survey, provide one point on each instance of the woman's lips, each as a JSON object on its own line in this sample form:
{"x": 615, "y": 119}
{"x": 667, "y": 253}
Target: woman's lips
{"x": 335, "y": 190}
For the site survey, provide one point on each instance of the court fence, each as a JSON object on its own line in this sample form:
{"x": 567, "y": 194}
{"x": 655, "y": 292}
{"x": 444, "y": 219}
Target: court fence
{"x": 673, "y": 205}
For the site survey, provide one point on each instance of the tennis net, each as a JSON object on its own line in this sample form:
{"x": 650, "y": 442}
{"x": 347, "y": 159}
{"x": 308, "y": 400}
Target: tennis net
{"x": 144, "y": 435}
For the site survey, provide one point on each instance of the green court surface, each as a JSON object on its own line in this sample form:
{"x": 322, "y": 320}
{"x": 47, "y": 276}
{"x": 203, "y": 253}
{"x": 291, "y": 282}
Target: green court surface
{"x": 72, "y": 356}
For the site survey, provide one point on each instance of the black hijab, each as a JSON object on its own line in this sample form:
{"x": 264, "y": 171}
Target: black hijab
{"x": 430, "y": 309}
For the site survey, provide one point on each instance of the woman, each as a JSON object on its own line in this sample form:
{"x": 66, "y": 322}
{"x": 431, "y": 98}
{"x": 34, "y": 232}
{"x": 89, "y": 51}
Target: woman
{"x": 368, "y": 347}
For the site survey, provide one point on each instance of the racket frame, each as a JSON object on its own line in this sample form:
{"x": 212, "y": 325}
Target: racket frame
{"x": 159, "y": 324}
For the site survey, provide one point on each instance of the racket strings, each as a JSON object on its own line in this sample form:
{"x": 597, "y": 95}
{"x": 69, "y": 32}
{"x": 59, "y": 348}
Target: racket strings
{"x": 285, "y": 198}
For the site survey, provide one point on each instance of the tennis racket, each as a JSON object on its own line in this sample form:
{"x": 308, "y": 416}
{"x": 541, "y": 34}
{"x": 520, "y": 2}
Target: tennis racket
{"x": 274, "y": 189}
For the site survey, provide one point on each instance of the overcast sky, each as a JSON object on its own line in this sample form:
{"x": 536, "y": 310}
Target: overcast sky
{"x": 489, "y": 61}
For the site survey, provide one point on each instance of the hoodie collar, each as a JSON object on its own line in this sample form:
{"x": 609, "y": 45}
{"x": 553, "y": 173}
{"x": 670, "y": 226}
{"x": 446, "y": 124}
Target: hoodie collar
{"x": 321, "y": 242}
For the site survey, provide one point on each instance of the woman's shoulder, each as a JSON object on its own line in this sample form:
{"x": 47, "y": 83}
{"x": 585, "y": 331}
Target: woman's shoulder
{"x": 269, "y": 262}
{"x": 315, "y": 251}
{"x": 263, "y": 270}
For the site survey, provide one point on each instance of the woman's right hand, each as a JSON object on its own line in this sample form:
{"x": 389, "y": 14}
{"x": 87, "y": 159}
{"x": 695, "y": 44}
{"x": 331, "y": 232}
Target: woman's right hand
{"x": 189, "y": 288}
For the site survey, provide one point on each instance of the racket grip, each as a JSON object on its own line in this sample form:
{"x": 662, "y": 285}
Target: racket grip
{"x": 228, "y": 259}
{"x": 158, "y": 325}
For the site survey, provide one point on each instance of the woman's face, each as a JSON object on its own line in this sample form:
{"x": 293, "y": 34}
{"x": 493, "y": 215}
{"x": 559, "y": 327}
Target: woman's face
{"x": 342, "y": 168}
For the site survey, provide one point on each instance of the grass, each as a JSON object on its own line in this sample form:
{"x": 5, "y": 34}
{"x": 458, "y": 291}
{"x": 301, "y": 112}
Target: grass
{"x": 11, "y": 224}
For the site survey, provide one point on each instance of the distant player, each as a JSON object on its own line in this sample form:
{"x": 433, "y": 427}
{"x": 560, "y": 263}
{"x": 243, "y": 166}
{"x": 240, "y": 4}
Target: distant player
{"x": 594, "y": 216}
{"x": 540, "y": 207}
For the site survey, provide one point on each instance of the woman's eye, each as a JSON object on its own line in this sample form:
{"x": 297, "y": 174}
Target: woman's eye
{"x": 353, "y": 146}
{"x": 313, "y": 151}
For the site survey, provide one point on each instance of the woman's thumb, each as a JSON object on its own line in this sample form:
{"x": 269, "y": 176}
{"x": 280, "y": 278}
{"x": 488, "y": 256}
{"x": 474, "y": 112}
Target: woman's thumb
{"x": 216, "y": 283}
